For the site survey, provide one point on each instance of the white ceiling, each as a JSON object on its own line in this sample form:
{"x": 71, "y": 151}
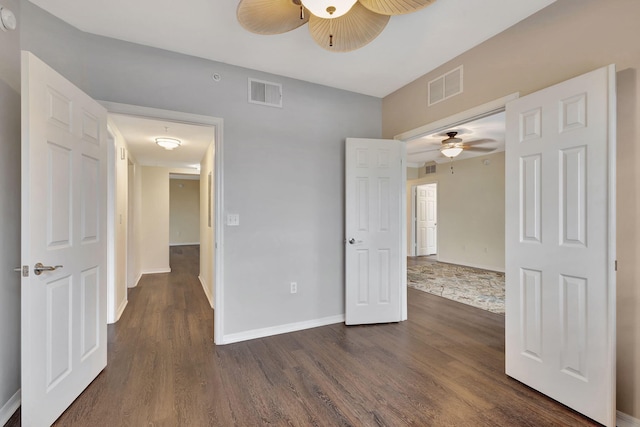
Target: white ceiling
{"x": 140, "y": 134}
{"x": 408, "y": 48}
{"x": 489, "y": 129}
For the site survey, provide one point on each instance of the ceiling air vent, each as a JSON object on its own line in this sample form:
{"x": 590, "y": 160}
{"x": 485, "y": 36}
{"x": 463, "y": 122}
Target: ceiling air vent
{"x": 265, "y": 93}
{"x": 445, "y": 86}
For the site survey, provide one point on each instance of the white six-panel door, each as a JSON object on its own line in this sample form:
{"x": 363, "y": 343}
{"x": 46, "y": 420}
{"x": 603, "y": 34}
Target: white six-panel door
{"x": 432, "y": 219}
{"x": 426, "y": 219}
{"x": 64, "y": 340}
{"x": 560, "y": 242}
{"x": 374, "y": 182}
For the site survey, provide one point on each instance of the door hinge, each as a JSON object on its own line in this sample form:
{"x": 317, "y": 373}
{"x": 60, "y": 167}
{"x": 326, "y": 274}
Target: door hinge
{"x": 615, "y": 265}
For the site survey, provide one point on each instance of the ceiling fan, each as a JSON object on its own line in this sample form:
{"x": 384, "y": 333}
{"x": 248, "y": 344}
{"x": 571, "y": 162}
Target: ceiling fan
{"x": 336, "y": 25}
{"x": 453, "y": 146}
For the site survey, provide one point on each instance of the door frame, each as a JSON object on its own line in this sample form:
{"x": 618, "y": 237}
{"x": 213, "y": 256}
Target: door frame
{"x": 218, "y": 244}
{"x": 414, "y": 215}
{"x": 478, "y": 112}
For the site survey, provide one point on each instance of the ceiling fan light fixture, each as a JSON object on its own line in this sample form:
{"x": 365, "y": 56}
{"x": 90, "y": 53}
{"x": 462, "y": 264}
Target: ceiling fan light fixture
{"x": 168, "y": 143}
{"x": 451, "y": 151}
{"x": 328, "y": 9}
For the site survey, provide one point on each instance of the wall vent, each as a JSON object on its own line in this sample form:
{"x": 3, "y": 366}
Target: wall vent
{"x": 445, "y": 86}
{"x": 265, "y": 93}
{"x": 430, "y": 169}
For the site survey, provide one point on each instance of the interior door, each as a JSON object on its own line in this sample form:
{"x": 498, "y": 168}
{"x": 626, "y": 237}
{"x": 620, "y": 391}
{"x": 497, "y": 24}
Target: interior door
{"x": 374, "y": 257}
{"x": 560, "y": 243}
{"x": 64, "y": 340}
{"x": 421, "y": 220}
{"x": 431, "y": 219}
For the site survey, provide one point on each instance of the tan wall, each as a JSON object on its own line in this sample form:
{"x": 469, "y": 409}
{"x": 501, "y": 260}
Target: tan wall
{"x": 476, "y": 239}
{"x": 154, "y": 238}
{"x": 564, "y": 40}
{"x": 207, "y": 232}
{"x": 184, "y": 211}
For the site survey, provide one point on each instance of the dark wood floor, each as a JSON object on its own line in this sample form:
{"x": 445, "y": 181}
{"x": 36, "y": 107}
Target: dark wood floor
{"x": 443, "y": 367}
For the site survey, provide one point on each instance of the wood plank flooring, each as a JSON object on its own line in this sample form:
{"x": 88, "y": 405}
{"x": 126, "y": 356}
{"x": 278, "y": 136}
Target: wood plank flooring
{"x": 443, "y": 367}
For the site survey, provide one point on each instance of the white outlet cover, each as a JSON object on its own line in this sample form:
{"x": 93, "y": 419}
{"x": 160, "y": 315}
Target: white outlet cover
{"x": 233, "y": 219}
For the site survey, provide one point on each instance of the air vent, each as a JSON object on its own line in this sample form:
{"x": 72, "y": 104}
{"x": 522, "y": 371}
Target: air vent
{"x": 430, "y": 169}
{"x": 445, "y": 86}
{"x": 265, "y": 93}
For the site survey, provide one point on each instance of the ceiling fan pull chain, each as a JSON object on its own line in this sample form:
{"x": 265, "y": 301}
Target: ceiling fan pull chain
{"x": 301, "y": 12}
{"x": 451, "y": 165}
{"x": 330, "y": 32}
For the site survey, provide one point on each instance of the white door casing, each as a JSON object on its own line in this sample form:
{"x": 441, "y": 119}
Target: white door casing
{"x": 64, "y": 340}
{"x": 560, "y": 242}
{"x": 374, "y": 259}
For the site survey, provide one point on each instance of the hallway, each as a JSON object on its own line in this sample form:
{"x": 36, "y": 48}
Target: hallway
{"x": 442, "y": 367}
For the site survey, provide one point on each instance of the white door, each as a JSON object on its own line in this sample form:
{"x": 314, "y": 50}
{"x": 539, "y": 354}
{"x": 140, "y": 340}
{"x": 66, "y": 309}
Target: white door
{"x": 421, "y": 220}
{"x": 426, "y": 219}
{"x": 64, "y": 341}
{"x": 560, "y": 243}
{"x": 431, "y": 219}
{"x": 375, "y": 262}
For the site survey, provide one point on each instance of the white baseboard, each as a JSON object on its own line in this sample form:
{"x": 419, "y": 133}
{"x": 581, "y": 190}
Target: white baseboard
{"x": 9, "y": 408}
{"x": 157, "y": 271}
{"x": 184, "y": 244}
{"x": 121, "y": 309}
{"x": 282, "y": 329}
{"x": 624, "y": 420}
{"x": 472, "y": 265}
{"x": 135, "y": 283}
{"x": 206, "y": 290}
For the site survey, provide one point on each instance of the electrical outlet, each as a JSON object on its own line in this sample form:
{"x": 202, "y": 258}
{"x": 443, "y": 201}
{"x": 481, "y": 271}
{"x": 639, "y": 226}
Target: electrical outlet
{"x": 294, "y": 287}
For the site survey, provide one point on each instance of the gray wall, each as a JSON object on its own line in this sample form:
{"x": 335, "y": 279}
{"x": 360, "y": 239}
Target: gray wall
{"x": 9, "y": 213}
{"x": 283, "y": 167}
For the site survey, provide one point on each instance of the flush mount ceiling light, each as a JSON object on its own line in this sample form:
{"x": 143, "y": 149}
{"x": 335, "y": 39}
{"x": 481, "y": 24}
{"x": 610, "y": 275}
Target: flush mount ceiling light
{"x": 168, "y": 143}
{"x": 336, "y": 25}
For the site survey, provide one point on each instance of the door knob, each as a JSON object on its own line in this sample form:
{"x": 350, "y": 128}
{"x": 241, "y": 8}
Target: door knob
{"x": 352, "y": 241}
{"x": 39, "y": 268}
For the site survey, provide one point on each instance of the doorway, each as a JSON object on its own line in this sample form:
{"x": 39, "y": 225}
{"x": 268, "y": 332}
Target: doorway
{"x": 425, "y": 220}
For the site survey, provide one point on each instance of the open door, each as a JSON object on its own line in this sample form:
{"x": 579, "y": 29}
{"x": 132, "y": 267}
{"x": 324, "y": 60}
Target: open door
{"x": 64, "y": 325}
{"x": 560, "y": 243}
{"x": 375, "y": 238}
{"x": 426, "y": 219}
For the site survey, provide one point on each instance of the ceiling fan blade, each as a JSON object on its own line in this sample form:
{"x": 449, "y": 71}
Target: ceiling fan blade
{"x": 350, "y": 31}
{"x": 395, "y": 7}
{"x": 479, "y": 141}
{"x": 270, "y": 16}
{"x": 479, "y": 149}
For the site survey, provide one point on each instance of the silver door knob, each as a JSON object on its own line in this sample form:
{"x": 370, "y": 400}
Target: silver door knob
{"x": 352, "y": 241}
{"x": 39, "y": 268}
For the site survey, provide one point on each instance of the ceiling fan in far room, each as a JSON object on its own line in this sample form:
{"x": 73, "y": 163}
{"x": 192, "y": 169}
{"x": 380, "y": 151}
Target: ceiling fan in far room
{"x": 335, "y": 25}
{"x": 453, "y": 146}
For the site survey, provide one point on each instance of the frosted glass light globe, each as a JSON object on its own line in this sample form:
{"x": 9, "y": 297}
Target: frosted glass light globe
{"x": 322, "y": 8}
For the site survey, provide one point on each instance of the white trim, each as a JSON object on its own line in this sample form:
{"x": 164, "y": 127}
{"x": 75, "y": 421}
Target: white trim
{"x": 157, "y": 271}
{"x": 120, "y": 311}
{"x": 404, "y": 311}
{"x": 135, "y": 283}
{"x": 217, "y": 123}
{"x": 184, "y": 244}
{"x": 281, "y": 329}
{"x": 10, "y": 408}
{"x": 611, "y": 238}
{"x": 624, "y": 420}
{"x": 478, "y": 112}
{"x": 415, "y": 165}
{"x": 205, "y": 288}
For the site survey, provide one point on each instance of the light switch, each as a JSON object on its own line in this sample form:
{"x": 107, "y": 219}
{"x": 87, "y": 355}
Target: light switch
{"x": 233, "y": 219}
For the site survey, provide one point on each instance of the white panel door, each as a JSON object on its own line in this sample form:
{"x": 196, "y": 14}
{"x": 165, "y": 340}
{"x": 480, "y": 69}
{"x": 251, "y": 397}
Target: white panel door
{"x": 64, "y": 340}
{"x": 421, "y": 220}
{"x": 560, "y": 243}
{"x": 374, "y": 257}
{"x": 432, "y": 219}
